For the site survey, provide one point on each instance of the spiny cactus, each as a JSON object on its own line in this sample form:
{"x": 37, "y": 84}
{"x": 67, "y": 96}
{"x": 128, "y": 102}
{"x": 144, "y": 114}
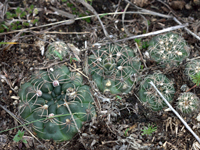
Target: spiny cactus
{"x": 54, "y": 93}
{"x": 57, "y": 50}
{"x": 192, "y": 68}
{"x": 114, "y": 69}
{"x": 148, "y": 94}
{"x": 168, "y": 49}
{"x": 188, "y": 102}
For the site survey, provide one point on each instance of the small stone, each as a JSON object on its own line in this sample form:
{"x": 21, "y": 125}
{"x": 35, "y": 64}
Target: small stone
{"x": 198, "y": 117}
{"x": 84, "y": 134}
{"x": 188, "y": 6}
{"x": 16, "y": 88}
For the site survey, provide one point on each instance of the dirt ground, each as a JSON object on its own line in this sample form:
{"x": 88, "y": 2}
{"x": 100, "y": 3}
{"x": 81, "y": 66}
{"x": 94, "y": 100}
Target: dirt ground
{"x": 119, "y": 123}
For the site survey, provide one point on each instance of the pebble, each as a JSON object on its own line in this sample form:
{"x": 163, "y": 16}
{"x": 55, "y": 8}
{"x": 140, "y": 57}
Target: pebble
{"x": 160, "y": 143}
{"x": 188, "y": 6}
{"x": 84, "y": 134}
{"x": 16, "y": 88}
{"x": 198, "y": 117}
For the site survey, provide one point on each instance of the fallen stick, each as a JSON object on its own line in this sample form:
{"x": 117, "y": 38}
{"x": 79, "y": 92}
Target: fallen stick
{"x": 176, "y": 113}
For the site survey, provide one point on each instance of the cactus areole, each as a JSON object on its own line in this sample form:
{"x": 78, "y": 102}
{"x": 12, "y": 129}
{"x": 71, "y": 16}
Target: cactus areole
{"x": 114, "y": 69}
{"x": 56, "y": 93}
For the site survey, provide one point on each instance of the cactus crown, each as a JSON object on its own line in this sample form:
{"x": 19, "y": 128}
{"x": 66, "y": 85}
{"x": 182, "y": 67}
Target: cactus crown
{"x": 56, "y": 93}
{"x": 57, "y": 50}
{"x": 169, "y": 49}
{"x": 188, "y": 102}
{"x": 148, "y": 94}
{"x": 114, "y": 69}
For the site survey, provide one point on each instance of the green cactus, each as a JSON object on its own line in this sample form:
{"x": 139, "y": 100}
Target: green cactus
{"x": 192, "y": 68}
{"x": 168, "y": 49}
{"x": 148, "y": 94}
{"x": 54, "y": 93}
{"x": 57, "y": 50}
{"x": 114, "y": 69}
{"x": 188, "y": 102}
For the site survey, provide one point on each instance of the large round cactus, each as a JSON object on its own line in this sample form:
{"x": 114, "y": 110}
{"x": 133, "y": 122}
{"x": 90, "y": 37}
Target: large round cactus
{"x": 114, "y": 69}
{"x": 168, "y": 49}
{"x": 56, "y": 93}
{"x": 57, "y": 50}
{"x": 148, "y": 94}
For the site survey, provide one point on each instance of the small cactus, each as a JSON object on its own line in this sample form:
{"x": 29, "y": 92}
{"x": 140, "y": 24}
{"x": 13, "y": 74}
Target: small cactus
{"x": 56, "y": 93}
{"x": 188, "y": 102}
{"x": 192, "y": 68}
{"x": 148, "y": 94}
{"x": 168, "y": 49}
{"x": 114, "y": 69}
{"x": 57, "y": 50}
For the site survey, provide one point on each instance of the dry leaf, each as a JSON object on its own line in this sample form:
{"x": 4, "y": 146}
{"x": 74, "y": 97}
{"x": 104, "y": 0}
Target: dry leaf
{"x": 62, "y": 13}
{"x": 141, "y": 3}
{"x": 177, "y": 5}
{"x": 75, "y": 50}
{"x": 196, "y": 2}
{"x": 30, "y": 141}
{"x": 3, "y": 140}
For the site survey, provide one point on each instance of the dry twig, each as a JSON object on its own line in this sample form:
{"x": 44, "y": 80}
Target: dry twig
{"x": 94, "y": 12}
{"x": 176, "y": 113}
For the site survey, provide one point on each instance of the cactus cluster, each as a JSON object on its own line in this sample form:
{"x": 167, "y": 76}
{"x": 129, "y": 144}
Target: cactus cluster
{"x": 59, "y": 100}
{"x": 57, "y": 50}
{"x": 168, "y": 49}
{"x": 188, "y": 102}
{"x": 114, "y": 68}
{"x": 148, "y": 94}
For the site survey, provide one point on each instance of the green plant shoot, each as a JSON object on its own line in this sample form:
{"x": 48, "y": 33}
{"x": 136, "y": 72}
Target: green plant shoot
{"x": 149, "y": 130}
{"x": 119, "y": 97}
{"x": 196, "y": 78}
{"x": 58, "y": 54}
{"x": 126, "y": 132}
{"x": 71, "y": 59}
{"x": 19, "y": 137}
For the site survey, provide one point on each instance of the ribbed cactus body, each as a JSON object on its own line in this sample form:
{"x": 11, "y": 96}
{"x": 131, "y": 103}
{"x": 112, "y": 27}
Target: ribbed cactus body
{"x": 148, "y": 94}
{"x": 58, "y": 92}
{"x": 114, "y": 69}
{"x": 168, "y": 49}
{"x": 188, "y": 102}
